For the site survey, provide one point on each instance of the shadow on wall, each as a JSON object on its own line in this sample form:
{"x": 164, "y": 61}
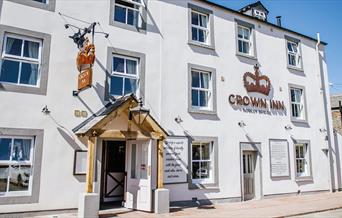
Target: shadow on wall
{"x": 338, "y": 143}
{"x": 69, "y": 139}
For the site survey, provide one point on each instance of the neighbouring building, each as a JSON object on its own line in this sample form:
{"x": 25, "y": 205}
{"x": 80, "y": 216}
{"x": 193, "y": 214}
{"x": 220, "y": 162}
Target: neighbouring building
{"x": 232, "y": 106}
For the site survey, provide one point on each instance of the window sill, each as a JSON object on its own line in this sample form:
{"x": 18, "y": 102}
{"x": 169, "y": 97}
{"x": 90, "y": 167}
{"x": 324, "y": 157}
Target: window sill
{"x": 9, "y": 87}
{"x": 304, "y": 179}
{"x": 127, "y": 27}
{"x": 294, "y": 120}
{"x": 207, "y": 186}
{"x": 246, "y": 56}
{"x": 202, "y": 111}
{"x": 295, "y": 68}
{"x": 194, "y": 43}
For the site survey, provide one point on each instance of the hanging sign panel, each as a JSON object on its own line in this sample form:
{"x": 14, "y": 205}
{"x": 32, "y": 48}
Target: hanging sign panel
{"x": 279, "y": 158}
{"x": 175, "y": 160}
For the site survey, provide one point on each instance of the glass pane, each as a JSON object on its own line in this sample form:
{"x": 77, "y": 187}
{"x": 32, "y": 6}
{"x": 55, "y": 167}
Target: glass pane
{"x": 196, "y": 170}
{"x": 194, "y": 98}
{"x": 194, "y": 33}
{"x": 133, "y": 159}
{"x": 19, "y": 178}
{"x": 120, "y": 14}
{"x": 245, "y": 48}
{"x": 205, "y": 151}
{"x": 29, "y": 74}
{"x": 297, "y": 152}
{"x": 295, "y": 110}
{"x": 194, "y": 18}
{"x": 298, "y": 95}
{"x": 203, "y": 21}
{"x": 292, "y": 60}
{"x": 240, "y": 33}
{"x": 244, "y": 163}
{"x": 144, "y": 162}
{"x": 289, "y": 47}
{"x": 240, "y": 45}
{"x": 293, "y": 95}
{"x": 246, "y": 34}
{"x": 195, "y": 81}
{"x": 116, "y": 85}
{"x": 9, "y": 71}
{"x": 13, "y": 46}
{"x": 42, "y": 1}
{"x": 201, "y": 35}
{"x": 130, "y": 86}
{"x": 21, "y": 149}
{"x": 205, "y": 170}
{"x": 133, "y": 17}
{"x": 5, "y": 148}
{"x": 196, "y": 152}
{"x": 31, "y": 49}
{"x": 204, "y": 80}
{"x": 131, "y": 67}
{"x": 118, "y": 64}
{"x": 3, "y": 178}
{"x": 204, "y": 99}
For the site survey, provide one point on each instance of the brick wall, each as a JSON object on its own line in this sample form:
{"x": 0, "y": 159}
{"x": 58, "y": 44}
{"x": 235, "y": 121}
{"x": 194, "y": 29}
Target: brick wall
{"x": 336, "y": 116}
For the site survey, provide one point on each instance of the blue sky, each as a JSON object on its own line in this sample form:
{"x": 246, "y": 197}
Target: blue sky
{"x": 308, "y": 17}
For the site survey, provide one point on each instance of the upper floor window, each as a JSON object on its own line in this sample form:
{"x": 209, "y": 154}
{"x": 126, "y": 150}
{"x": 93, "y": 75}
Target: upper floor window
{"x": 125, "y": 75}
{"x": 201, "y": 89}
{"x": 42, "y": 1}
{"x": 21, "y": 59}
{"x": 293, "y": 54}
{"x": 245, "y": 42}
{"x": 200, "y": 27}
{"x": 303, "y": 168}
{"x": 16, "y": 165}
{"x": 297, "y": 103}
{"x": 129, "y": 14}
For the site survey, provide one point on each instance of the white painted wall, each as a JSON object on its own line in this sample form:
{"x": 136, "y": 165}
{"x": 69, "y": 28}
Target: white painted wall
{"x": 167, "y": 55}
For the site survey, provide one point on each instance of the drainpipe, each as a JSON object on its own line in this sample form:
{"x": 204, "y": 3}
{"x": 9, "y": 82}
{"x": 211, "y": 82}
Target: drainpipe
{"x": 327, "y": 114}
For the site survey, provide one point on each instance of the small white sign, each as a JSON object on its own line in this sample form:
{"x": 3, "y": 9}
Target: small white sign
{"x": 279, "y": 157}
{"x": 175, "y": 160}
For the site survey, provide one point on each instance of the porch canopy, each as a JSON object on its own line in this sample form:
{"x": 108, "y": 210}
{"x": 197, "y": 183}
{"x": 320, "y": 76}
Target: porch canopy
{"x": 115, "y": 121}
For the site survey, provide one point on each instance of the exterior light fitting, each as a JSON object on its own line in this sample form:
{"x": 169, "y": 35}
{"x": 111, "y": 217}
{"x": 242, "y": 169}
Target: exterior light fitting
{"x": 288, "y": 127}
{"x": 139, "y": 113}
{"x": 241, "y": 123}
{"x": 46, "y": 110}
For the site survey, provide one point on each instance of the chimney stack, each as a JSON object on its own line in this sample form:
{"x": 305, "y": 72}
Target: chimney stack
{"x": 278, "y": 20}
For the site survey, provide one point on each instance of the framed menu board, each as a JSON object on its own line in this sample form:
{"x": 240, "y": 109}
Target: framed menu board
{"x": 279, "y": 159}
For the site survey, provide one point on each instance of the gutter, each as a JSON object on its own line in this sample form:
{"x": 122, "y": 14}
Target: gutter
{"x": 327, "y": 114}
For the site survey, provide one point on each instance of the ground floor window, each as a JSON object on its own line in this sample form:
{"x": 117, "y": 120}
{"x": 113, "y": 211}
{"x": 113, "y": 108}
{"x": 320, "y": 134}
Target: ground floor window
{"x": 16, "y": 158}
{"x": 302, "y": 160}
{"x": 202, "y": 162}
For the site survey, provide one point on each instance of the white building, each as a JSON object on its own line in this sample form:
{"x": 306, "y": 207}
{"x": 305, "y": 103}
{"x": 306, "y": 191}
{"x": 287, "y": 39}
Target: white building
{"x": 239, "y": 135}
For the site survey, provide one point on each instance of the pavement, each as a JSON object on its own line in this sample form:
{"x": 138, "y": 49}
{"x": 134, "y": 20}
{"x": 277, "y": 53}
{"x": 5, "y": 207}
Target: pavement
{"x": 288, "y": 206}
{"x": 329, "y": 214}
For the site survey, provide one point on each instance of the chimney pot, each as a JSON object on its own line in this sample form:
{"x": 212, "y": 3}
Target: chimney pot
{"x": 278, "y": 20}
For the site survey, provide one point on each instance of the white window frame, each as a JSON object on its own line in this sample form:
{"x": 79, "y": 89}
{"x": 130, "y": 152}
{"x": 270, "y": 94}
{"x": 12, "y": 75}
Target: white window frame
{"x": 23, "y": 59}
{"x": 300, "y": 104}
{"x": 250, "y": 41}
{"x": 297, "y": 55}
{"x": 209, "y": 90}
{"x": 211, "y": 162}
{"x": 139, "y": 10}
{"x": 10, "y": 163}
{"x": 205, "y": 29}
{"x": 305, "y": 158}
{"x": 125, "y": 74}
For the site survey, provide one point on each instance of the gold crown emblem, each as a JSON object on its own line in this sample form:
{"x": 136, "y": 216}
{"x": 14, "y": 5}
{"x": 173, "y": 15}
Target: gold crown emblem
{"x": 256, "y": 82}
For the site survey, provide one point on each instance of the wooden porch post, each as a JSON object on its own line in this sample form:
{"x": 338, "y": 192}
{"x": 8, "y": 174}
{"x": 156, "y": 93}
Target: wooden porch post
{"x": 90, "y": 164}
{"x": 160, "y": 177}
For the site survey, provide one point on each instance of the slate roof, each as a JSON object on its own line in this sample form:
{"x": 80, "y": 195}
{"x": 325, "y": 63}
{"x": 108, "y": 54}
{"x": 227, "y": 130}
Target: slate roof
{"x": 266, "y": 22}
{"x": 258, "y": 3}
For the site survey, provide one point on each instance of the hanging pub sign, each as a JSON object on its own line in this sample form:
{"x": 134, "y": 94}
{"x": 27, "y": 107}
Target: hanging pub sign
{"x": 84, "y": 61}
{"x": 256, "y": 83}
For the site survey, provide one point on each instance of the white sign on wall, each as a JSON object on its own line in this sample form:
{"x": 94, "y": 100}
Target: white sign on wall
{"x": 175, "y": 160}
{"x": 279, "y": 158}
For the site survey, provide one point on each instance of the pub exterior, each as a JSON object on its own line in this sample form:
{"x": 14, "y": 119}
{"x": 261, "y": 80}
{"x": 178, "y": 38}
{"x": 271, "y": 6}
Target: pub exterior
{"x": 169, "y": 102}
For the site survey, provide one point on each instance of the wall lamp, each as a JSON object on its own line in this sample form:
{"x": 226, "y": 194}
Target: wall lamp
{"x": 322, "y": 130}
{"x": 288, "y": 127}
{"x": 139, "y": 113}
{"x": 46, "y": 110}
{"x": 242, "y": 124}
{"x": 178, "y": 119}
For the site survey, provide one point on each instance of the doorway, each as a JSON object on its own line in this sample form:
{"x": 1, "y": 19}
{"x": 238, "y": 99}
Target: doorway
{"x": 113, "y": 174}
{"x": 248, "y": 167}
{"x": 251, "y": 173}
